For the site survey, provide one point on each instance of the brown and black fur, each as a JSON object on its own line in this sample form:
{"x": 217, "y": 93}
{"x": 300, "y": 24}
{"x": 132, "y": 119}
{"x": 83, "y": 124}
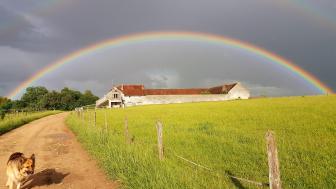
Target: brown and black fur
{"x": 19, "y": 168}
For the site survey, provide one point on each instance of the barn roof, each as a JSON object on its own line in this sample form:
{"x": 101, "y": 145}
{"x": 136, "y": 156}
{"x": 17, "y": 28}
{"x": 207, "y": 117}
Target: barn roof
{"x": 175, "y": 91}
{"x": 139, "y": 90}
{"x": 222, "y": 89}
{"x": 132, "y": 90}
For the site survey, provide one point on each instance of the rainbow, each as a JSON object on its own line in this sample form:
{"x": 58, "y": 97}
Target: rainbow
{"x": 169, "y": 36}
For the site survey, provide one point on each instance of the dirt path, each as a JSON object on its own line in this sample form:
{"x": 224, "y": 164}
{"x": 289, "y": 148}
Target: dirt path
{"x": 60, "y": 160}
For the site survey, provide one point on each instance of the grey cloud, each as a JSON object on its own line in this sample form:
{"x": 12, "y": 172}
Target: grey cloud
{"x": 175, "y": 65}
{"x": 76, "y": 24}
{"x": 17, "y": 66}
{"x": 18, "y": 32}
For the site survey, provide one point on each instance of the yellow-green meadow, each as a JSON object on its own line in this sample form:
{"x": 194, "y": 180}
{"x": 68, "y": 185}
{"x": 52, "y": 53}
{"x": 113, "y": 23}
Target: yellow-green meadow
{"x": 15, "y": 120}
{"x": 227, "y": 137}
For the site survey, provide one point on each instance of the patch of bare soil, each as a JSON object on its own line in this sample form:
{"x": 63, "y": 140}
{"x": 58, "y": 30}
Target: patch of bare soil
{"x": 60, "y": 160}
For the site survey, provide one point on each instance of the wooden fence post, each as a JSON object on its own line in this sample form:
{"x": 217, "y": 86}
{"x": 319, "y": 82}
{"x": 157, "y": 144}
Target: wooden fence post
{"x": 94, "y": 118}
{"x": 127, "y": 138}
{"x": 83, "y": 115}
{"x": 89, "y": 117}
{"x": 273, "y": 162}
{"x": 105, "y": 120}
{"x": 160, "y": 137}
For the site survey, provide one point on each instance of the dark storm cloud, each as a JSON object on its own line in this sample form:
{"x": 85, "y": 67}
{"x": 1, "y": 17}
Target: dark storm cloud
{"x": 13, "y": 27}
{"x": 52, "y": 32}
{"x": 18, "y": 31}
{"x": 171, "y": 65}
{"x": 16, "y": 66}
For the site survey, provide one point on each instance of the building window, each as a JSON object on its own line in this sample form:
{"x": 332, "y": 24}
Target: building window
{"x": 115, "y": 95}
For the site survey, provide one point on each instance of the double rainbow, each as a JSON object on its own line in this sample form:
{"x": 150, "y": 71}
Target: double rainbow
{"x": 168, "y": 36}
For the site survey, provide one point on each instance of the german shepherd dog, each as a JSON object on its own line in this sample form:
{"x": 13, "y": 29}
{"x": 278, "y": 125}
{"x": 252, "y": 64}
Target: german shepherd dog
{"x": 19, "y": 168}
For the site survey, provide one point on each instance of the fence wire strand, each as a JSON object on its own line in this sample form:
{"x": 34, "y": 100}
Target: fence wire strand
{"x": 218, "y": 173}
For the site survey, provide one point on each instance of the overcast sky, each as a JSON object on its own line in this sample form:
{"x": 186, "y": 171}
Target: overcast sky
{"x": 35, "y": 33}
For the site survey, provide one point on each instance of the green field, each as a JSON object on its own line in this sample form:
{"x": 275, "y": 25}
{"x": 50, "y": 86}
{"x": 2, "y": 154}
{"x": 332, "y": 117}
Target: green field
{"x": 228, "y": 137}
{"x": 14, "y": 120}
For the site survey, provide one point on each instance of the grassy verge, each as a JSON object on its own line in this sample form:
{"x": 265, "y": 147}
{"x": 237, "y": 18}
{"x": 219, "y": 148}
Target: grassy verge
{"x": 17, "y": 121}
{"x": 224, "y": 136}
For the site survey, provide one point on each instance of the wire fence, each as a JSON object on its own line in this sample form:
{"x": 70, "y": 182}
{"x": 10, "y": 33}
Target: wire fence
{"x": 272, "y": 154}
{"x": 15, "y": 113}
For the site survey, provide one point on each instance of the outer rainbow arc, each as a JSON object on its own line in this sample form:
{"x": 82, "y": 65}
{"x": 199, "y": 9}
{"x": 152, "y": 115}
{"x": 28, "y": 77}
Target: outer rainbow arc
{"x": 174, "y": 35}
{"x": 308, "y": 9}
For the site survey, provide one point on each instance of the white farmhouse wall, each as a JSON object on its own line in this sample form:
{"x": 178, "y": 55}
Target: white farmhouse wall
{"x": 239, "y": 92}
{"x": 133, "y": 100}
{"x": 108, "y": 99}
{"x": 174, "y": 99}
{"x": 101, "y": 101}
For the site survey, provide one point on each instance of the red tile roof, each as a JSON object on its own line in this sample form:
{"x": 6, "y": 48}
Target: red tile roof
{"x": 174, "y": 91}
{"x": 222, "y": 89}
{"x": 139, "y": 90}
{"x": 132, "y": 90}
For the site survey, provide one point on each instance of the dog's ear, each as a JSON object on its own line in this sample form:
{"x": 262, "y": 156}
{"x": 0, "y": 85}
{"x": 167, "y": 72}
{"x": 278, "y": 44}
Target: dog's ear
{"x": 33, "y": 158}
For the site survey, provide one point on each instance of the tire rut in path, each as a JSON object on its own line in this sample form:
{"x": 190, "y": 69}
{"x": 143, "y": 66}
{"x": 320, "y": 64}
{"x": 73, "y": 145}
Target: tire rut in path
{"x": 60, "y": 160}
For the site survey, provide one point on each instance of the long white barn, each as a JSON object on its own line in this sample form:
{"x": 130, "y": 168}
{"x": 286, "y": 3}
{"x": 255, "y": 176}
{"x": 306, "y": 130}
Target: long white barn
{"x": 133, "y": 95}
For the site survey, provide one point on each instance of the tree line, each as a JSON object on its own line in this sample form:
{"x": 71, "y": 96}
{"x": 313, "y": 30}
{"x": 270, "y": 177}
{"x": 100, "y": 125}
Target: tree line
{"x": 40, "y": 98}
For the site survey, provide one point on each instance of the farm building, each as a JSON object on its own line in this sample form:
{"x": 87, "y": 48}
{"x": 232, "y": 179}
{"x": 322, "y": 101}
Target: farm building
{"x": 132, "y": 95}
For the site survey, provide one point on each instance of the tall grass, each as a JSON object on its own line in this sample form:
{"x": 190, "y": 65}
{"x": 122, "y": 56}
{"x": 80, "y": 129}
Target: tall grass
{"x": 13, "y": 121}
{"x": 228, "y": 137}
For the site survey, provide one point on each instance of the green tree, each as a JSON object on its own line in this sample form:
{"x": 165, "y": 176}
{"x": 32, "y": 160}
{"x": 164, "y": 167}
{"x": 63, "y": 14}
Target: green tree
{"x": 4, "y": 100}
{"x": 2, "y": 114}
{"x": 69, "y": 99}
{"x": 51, "y": 101}
{"x": 18, "y": 105}
{"x": 32, "y": 97}
{"x": 87, "y": 98}
{"x": 38, "y": 98}
{"x": 5, "y": 106}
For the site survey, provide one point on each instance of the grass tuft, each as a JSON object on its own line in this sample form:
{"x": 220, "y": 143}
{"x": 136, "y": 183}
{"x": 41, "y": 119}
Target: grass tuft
{"x": 13, "y": 121}
{"x": 228, "y": 137}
